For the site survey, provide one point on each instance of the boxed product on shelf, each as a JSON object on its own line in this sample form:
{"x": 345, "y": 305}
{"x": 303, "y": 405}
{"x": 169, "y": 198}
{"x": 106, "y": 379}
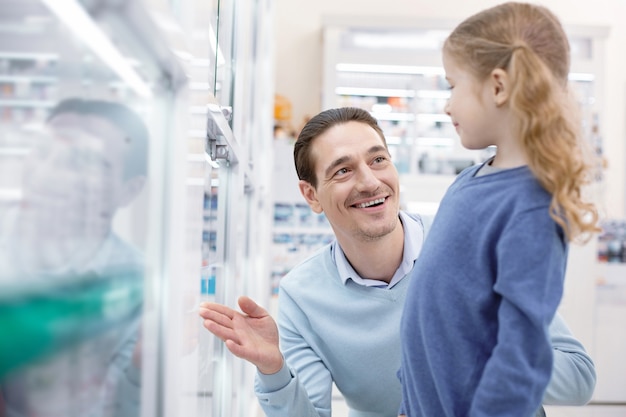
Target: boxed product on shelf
{"x": 612, "y": 242}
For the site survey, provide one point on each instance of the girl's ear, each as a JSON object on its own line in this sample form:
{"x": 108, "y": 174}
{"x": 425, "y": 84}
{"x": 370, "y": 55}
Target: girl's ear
{"x": 310, "y": 195}
{"x": 500, "y": 86}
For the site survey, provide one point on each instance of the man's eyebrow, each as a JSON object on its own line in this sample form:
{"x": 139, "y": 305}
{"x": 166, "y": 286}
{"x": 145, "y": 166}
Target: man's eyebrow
{"x": 342, "y": 160}
{"x": 335, "y": 164}
{"x": 376, "y": 149}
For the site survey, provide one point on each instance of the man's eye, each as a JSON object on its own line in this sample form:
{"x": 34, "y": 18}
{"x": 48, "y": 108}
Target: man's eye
{"x": 341, "y": 171}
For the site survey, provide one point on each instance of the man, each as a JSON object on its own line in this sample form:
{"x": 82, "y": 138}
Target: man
{"x": 339, "y": 311}
{"x": 70, "y": 271}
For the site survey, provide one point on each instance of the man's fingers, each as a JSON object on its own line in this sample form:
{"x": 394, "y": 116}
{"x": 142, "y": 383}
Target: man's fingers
{"x": 218, "y": 323}
{"x": 252, "y": 309}
{"x": 215, "y": 316}
{"x": 224, "y": 333}
{"x": 218, "y": 308}
{"x": 236, "y": 349}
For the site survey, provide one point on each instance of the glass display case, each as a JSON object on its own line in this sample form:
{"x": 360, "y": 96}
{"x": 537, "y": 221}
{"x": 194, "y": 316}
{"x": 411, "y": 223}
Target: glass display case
{"x": 84, "y": 122}
{"x": 131, "y": 181}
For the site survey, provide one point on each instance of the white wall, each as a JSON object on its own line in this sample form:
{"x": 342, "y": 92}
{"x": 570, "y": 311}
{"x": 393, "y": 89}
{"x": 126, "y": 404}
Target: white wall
{"x": 298, "y": 54}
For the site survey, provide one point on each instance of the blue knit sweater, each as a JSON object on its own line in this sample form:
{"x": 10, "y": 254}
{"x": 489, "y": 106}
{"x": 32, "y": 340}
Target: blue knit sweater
{"x": 341, "y": 333}
{"x": 487, "y": 284}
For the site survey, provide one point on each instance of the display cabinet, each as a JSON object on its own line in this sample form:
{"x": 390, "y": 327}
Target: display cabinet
{"x": 230, "y": 156}
{"x": 394, "y": 71}
{"x": 296, "y": 230}
{"x": 82, "y": 133}
{"x": 105, "y": 253}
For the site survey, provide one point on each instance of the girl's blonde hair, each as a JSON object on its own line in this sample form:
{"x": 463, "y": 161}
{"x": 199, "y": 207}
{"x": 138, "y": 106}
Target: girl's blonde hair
{"x": 529, "y": 43}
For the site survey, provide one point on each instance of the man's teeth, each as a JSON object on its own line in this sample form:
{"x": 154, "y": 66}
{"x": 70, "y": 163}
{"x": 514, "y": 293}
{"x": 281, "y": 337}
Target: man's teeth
{"x": 371, "y": 203}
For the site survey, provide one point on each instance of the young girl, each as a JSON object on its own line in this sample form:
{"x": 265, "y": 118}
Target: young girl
{"x": 490, "y": 275}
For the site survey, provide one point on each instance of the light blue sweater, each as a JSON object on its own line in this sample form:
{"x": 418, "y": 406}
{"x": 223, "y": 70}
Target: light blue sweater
{"x": 482, "y": 296}
{"x": 350, "y": 334}
{"x": 333, "y": 329}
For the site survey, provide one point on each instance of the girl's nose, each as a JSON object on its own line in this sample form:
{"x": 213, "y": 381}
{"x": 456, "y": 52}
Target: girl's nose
{"x": 446, "y": 107}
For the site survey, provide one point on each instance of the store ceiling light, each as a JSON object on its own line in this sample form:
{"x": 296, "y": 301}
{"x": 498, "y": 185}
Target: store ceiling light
{"x": 376, "y": 92}
{"x": 434, "y": 94}
{"x": 398, "y": 39}
{"x": 76, "y": 19}
{"x": 580, "y": 76}
{"x": 390, "y": 69}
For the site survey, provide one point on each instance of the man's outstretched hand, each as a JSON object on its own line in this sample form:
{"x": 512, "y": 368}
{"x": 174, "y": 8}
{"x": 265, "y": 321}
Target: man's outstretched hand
{"x": 252, "y": 336}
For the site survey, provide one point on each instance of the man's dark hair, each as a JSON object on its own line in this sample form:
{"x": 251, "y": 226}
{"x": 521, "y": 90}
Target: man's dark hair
{"x": 320, "y": 124}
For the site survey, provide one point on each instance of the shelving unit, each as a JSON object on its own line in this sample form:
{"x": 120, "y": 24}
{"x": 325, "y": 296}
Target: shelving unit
{"x": 394, "y": 71}
{"x": 408, "y": 101}
{"x": 28, "y": 89}
{"x": 295, "y": 236}
{"x": 296, "y": 230}
{"x": 404, "y": 88}
{"x": 28, "y": 85}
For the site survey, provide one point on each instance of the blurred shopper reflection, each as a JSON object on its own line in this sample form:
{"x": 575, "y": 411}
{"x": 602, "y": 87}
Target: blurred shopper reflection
{"x": 72, "y": 287}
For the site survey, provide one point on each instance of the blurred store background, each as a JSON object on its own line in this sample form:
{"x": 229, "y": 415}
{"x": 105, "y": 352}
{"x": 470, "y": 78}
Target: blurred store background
{"x": 105, "y": 258}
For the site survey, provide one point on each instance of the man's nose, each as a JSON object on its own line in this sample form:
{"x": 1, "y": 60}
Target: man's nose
{"x": 367, "y": 179}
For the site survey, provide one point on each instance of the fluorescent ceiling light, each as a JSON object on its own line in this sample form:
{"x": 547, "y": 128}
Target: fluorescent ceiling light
{"x": 393, "y": 140}
{"x": 390, "y": 69}
{"x": 396, "y": 41}
{"x": 381, "y": 108}
{"x": 577, "y": 76}
{"x": 29, "y": 55}
{"x": 434, "y": 94}
{"x": 74, "y": 16}
{"x": 397, "y": 117}
{"x": 376, "y": 92}
{"x": 435, "y": 142}
{"x": 434, "y": 117}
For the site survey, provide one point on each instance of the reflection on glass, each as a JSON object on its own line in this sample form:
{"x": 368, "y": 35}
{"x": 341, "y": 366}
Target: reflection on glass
{"x": 223, "y": 49}
{"x": 71, "y": 299}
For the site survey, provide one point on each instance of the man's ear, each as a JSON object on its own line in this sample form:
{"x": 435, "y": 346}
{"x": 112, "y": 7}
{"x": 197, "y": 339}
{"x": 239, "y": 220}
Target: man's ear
{"x": 500, "y": 84}
{"x": 130, "y": 190}
{"x": 310, "y": 195}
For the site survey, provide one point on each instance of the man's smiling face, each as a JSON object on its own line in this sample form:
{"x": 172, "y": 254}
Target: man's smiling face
{"x": 358, "y": 185}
